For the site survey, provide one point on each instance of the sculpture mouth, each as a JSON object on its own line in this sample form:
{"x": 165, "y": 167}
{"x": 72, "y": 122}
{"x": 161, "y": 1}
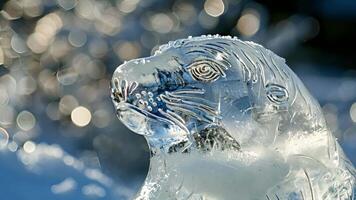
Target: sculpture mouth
{"x": 141, "y": 121}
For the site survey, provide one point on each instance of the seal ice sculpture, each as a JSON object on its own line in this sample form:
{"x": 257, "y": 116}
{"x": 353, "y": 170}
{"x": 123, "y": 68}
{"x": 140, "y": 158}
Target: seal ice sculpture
{"x": 227, "y": 119}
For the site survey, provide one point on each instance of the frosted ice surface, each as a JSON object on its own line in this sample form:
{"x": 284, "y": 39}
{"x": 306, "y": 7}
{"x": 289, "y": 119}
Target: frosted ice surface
{"x": 227, "y": 119}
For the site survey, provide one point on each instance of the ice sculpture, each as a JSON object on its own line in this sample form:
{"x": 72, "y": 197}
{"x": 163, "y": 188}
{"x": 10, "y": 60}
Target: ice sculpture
{"x": 228, "y": 119}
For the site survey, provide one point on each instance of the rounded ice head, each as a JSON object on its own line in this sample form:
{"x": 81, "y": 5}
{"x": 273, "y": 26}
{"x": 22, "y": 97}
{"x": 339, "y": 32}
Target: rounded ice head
{"x": 236, "y": 110}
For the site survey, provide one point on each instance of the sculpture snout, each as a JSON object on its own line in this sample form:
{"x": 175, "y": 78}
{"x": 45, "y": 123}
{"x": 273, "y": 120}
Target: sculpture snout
{"x": 121, "y": 90}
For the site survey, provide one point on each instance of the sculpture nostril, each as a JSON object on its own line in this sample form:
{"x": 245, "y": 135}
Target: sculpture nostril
{"x": 121, "y": 89}
{"x": 116, "y": 90}
{"x": 116, "y": 95}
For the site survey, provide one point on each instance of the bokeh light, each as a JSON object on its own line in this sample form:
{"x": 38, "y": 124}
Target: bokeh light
{"x": 127, "y": 50}
{"x": 29, "y": 147}
{"x": 101, "y": 118}
{"x": 162, "y": 23}
{"x": 12, "y": 146}
{"x": 64, "y": 187}
{"x": 353, "y": 112}
{"x": 26, "y": 85}
{"x": 67, "y": 104}
{"x": 94, "y": 191}
{"x": 81, "y": 116}
{"x": 4, "y": 137}
{"x": 214, "y": 8}
{"x": 25, "y": 120}
{"x": 249, "y": 22}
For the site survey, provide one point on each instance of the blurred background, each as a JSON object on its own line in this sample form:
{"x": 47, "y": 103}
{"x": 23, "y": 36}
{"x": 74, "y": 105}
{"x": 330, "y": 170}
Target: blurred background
{"x": 59, "y": 136}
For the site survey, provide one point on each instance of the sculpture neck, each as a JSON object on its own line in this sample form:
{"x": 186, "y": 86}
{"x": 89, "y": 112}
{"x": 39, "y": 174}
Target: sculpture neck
{"x": 165, "y": 146}
{"x": 159, "y": 173}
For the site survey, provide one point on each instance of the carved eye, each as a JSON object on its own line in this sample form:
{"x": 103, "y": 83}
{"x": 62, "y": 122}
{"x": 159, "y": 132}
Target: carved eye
{"x": 277, "y": 93}
{"x": 206, "y": 71}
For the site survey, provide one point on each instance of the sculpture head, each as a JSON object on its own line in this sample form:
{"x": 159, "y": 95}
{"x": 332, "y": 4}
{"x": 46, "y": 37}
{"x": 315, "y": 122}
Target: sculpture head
{"x": 194, "y": 86}
{"x": 214, "y": 91}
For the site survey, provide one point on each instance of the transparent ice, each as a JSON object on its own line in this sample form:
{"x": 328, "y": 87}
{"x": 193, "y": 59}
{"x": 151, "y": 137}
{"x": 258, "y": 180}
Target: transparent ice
{"x": 228, "y": 119}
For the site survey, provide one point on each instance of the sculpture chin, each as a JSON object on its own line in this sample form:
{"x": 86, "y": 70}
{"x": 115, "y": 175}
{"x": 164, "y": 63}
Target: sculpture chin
{"x": 145, "y": 123}
{"x": 133, "y": 118}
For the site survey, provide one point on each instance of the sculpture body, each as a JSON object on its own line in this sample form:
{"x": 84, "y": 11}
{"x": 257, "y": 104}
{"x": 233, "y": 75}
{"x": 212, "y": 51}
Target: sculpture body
{"x": 227, "y": 119}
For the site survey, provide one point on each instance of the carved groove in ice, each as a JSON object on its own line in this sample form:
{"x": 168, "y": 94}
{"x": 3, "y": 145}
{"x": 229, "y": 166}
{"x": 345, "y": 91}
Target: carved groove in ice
{"x": 227, "y": 119}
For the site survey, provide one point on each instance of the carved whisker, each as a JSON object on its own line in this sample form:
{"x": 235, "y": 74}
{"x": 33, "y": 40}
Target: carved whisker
{"x": 194, "y": 99}
{"x": 188, "y": 91}
{"x": 187, "y": 112}
{"x": 198, "y": 113}
{"x": 200, "y": 106}
{"x": 176, "y": 116}
{"x": 173, "y": 119}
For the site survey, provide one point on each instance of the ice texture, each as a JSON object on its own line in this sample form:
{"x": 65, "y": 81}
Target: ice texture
{"x": 228, "y": 119}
